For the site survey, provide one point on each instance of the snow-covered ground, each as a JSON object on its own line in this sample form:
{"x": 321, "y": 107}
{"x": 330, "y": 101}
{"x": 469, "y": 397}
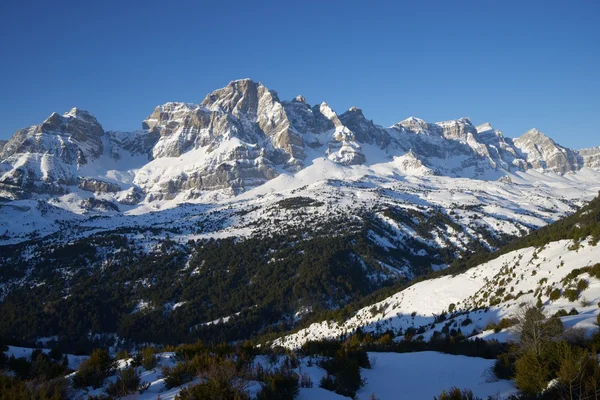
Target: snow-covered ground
{"x": 423, "y": 375}
{"x": 419, "y": 375}
{"x": 25, "y": 352}
{"x": 524, "y": 274}
{"x": 531, "y": 200}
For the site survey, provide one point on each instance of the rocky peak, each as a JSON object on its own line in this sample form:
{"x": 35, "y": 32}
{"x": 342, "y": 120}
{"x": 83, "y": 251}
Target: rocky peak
{"x": 533, "y": 134}
{"x": 365, "y": 131}
{"x": 82, "y": 115}
{"x": 542, "y": 152}
{"x": 487, "y": 133}
{"x": 457, "y": 129}
{"x": 413, "y": 125}
{"x": 51, "y": 123}
{"x": 300, "y": 99}
{"x": 354, "y": 110}
{"x": 239, "y": 98}
{"x": 169, "y": 113}
{"x": 485, "y": 127}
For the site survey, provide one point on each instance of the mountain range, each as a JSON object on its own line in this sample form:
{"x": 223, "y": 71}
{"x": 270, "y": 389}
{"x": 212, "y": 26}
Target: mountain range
{"x": 242, "y": 136}
{"x": 245, "y": 205}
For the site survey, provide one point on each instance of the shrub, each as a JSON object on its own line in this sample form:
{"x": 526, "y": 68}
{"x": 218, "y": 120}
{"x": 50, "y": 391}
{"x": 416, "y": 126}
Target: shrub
{"x": 148, "y": 358}
{"x": 220, "y": 381}
{"x": 582, "y": 284}
{"x": 595, "y": 271}
{"x": 281, "y": 385}
{"x": 455, "y": 393}
{"x": 12, "y": 388}
{"x": 555, "y": 294}
{"x": 571, "y": 294}
{"x": 94, "y": 370}
{"x": 128, "y": 382}
{"x": 182, "y": 372}
{"x": 212, "y": 391}
{"x": 531, "y": 374}
{"x": 504, "y": 323}
{"x": 573, "y": 311}
{"x": 305, "y": 381}
{"x": 504, "y": 366}
{"x": 343, "y": 371}
{"x": 561, "y": 313}
{"x": 56, "y": 353}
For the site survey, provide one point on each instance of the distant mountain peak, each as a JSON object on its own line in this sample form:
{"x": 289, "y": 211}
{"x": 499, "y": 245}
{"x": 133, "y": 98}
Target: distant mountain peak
{"x": 412, "y": 119}
{"x": 534, "y": 132}
{"x": 78, "y": 113}
{"x": 485, "y": 127}
{"x": 413, "y": 124}
{"x": 300, "y": 99}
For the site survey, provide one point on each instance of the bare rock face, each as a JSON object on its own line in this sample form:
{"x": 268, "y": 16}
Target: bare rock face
{"x": 252, "y": 103}
{"x": 590, "y": 157}
{"x": 130, "y": 196}
{"x": 98, "y": 186}
{"x": 365, "y": 131}
{"x": 543, "y": 153}
{"x": 457, "y": 129}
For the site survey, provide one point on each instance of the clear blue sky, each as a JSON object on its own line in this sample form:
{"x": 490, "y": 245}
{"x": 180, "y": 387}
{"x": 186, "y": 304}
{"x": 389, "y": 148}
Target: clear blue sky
{"x": 516, "y": 64}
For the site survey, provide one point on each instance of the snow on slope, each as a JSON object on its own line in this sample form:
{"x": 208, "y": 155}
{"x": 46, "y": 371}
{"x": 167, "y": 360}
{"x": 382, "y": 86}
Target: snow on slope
{"x": 25, "y": 352}
{"x": 423, "y": 375}
{"x": 523, "y": 273}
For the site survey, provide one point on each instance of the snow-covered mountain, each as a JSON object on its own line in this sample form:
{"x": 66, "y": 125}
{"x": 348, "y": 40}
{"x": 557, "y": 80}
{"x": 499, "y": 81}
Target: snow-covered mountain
{"x": 477, "y": 298}
{"x": 556, "y": 269}
{"x": 242, "y": 136}
{"x": 395, "y": 203}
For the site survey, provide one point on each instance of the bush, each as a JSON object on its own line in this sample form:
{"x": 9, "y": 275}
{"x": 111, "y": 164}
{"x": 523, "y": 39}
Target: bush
{"x": 280, "y": 385}
{"x": 582, "y": 284}
{"x": 555, "y": 294}
{"x": 456, "y": 394}
{"x": 211, "y": 390}
{"x": 128, "y": 382}
{"x": 561, "y": 313}
{"x": 305, "y": 381}
{"x": 182, "y": 372}
{"x": 531, "y": 374}
{"x": 56, "y": 353}
{"x": 14, "y": 389}
{"x": 343, "y": 371}
{"x": 148, "y": 358}
{"x": 94, "y": 370}
{"x": 504, "y": 323}
{"x": 595, "y": 271}
{"x": 571, "y": 294}
{"x": 504, "y": 366}
{"x": 220, "y": 381}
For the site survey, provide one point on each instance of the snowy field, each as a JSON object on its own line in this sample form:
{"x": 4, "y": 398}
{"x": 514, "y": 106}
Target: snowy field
{"x": 420, "y": 375}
